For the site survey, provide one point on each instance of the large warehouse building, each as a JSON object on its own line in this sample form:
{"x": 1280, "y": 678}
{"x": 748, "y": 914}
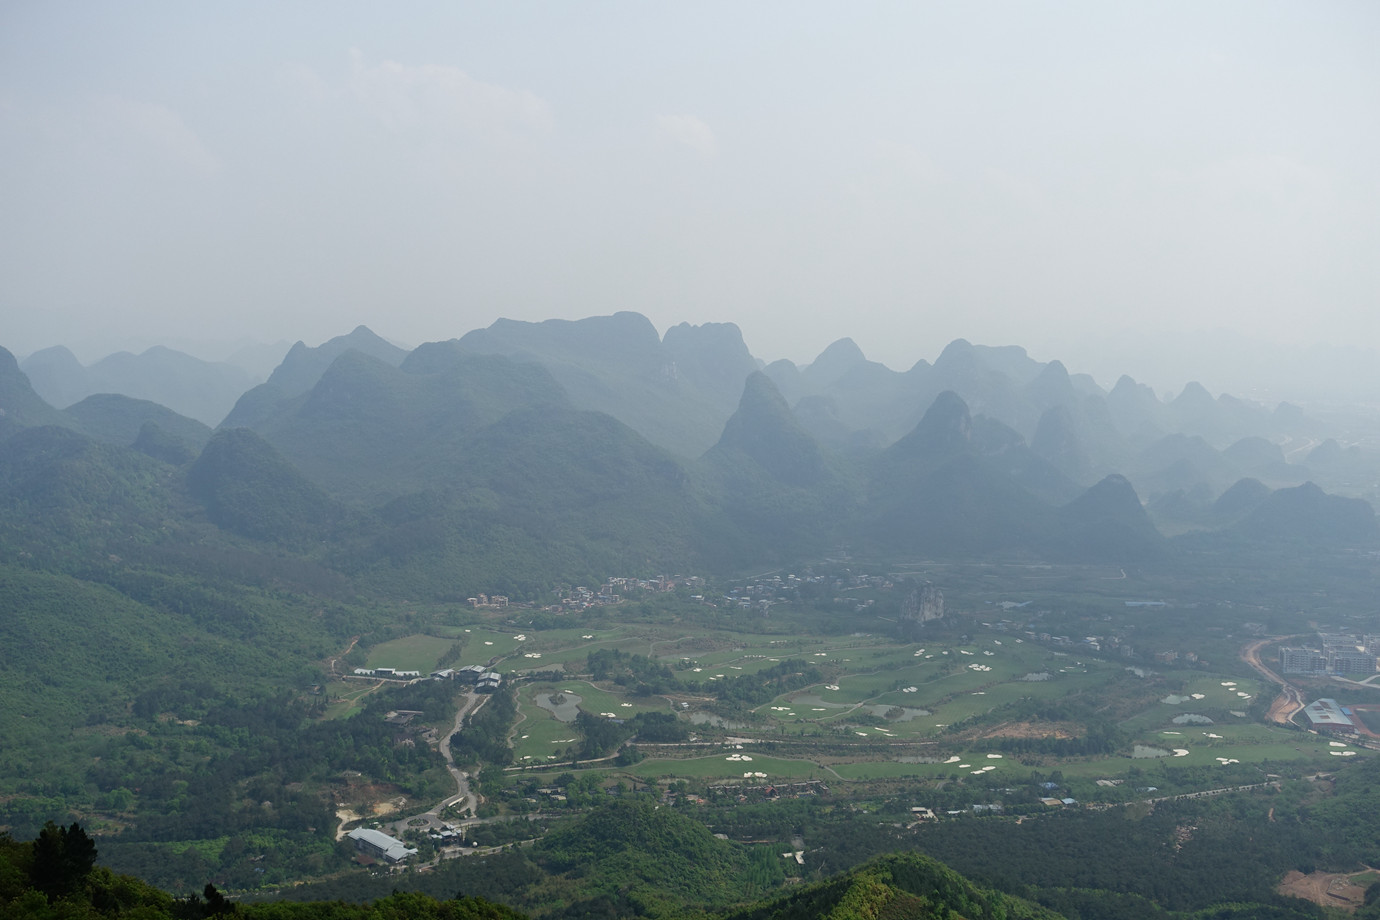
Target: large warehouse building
{"x": 379, "y": 845}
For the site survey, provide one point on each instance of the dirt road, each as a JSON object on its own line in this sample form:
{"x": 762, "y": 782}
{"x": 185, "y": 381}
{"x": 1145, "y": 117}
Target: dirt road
{"x": 1290, "y": 699}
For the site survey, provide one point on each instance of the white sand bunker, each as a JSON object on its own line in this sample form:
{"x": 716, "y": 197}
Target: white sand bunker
{"x": 1342, "y": 753}
{"x": 954, "y": 759}
{"x": 1226, "y": 760}
{"x": 1181, "y": 752}
{"x": 994, "y": 757}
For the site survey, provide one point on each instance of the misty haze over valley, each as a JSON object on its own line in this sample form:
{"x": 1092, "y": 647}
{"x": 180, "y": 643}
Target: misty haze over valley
{"x": 710, "y": 461}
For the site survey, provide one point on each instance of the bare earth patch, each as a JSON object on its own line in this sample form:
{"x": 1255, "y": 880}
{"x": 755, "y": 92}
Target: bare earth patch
{"x": 345, "y": 816}
{"x": 1029, "y": 730}
{"x": 1330, "y": 889}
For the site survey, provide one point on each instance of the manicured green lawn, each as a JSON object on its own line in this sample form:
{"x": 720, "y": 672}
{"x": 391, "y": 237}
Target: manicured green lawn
{"x": 410, "y": 653}
{"x": 954, "y": 683}
{"x": 539, "y": 735}
{"x": 720, "y": 767}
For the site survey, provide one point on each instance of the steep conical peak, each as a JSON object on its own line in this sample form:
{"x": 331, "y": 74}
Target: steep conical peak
{"x": 835, "y": 361}
{"x": 958, "y": 354}
{"x": 761, "y": 399}
{"x": 57, "y": 375}
{"x": 247, "y": 487}
{"x": 362, "y": 335}
{"x": 1114, "y": 491}
{"x": 1052, "y": 386}
{"x": 946, "y": 429}
{"x": 1195, "y": 395}
{"x": 844, "y": 351}
{"x": 1125, "y": 384}
{"x": 1241, "y": 497}
{"x": 1129, "y": 393}
{"x": 1055, "y": 370}
{"x": 1108, "y": 522}
{"x": 303, "y": 366}
{"x": 764, "y": 429}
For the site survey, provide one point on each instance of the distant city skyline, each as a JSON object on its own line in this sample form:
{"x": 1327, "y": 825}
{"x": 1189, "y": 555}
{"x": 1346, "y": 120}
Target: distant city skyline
{"x": 1106, "y": 185}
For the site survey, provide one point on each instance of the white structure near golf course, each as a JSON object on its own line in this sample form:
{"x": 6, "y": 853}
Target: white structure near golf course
{"x": 379, "y": 845}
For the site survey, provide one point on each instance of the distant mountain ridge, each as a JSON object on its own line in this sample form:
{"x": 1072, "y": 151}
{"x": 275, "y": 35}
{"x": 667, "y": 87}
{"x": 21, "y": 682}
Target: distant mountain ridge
{"x": 299, "y": 371}
{"x": 676, "y": 391}
{"x": 197, "y": 389}
{"x": 541, "y": 430}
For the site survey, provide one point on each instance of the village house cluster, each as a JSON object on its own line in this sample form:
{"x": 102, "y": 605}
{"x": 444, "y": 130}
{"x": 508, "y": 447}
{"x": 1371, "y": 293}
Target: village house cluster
{"x": 617, "y": 589}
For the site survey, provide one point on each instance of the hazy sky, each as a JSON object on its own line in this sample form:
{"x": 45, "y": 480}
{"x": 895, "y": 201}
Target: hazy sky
{"x": 1044, "y": 174}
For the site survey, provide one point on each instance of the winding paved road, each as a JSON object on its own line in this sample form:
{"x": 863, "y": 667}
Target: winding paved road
{"x": 432, "y": 817}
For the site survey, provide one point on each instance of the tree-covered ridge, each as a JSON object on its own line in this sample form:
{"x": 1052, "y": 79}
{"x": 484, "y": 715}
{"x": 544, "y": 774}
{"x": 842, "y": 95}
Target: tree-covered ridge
{"x": 629, "y": 860}
{"x": 903, "y": 886}
{"x": 119, "y": 420}
{"x": 55, "y": 877}
{"x": 249, "y": 489}
{"x": 653, "y": 860}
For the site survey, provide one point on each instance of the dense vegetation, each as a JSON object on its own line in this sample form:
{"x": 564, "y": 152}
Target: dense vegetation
{"x": 178, "y": 606}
